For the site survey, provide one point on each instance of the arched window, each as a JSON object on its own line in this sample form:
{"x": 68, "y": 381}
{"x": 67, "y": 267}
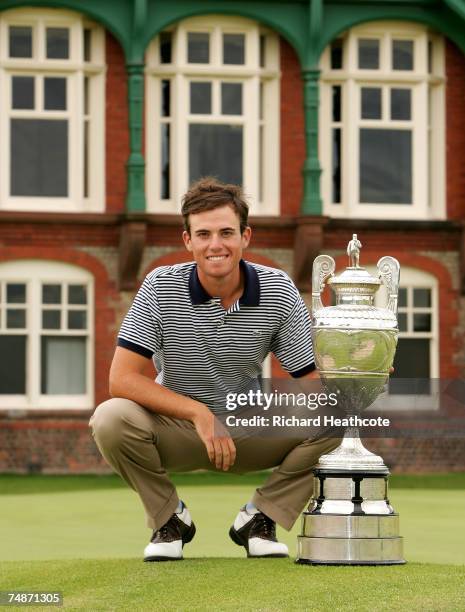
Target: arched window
{"x": 51, "y": 111}
{"x": 213, "y": 109}
{"x": 382, "y": 123}
{"x": 416, "y": 363}
{"x": 46, "y": 335}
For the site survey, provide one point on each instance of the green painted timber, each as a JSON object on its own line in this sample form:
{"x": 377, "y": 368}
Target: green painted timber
{"x": 308, "y": 25}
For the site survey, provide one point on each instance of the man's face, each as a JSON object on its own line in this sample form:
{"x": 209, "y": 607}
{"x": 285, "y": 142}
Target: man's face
{"x": 216, "y": 242}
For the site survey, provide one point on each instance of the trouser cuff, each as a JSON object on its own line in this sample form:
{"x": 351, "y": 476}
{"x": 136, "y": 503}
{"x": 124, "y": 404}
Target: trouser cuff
{"x": 164, "y": 515}
{"x": 284, "y": 517}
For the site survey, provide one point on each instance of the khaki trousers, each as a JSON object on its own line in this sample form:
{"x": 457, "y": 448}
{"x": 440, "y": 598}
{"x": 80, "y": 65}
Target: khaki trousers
{"x": 142, "y": 446}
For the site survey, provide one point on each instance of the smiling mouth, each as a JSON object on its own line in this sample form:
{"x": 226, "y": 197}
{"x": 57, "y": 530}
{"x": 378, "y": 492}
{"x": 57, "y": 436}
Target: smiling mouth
{"x": 216, "y": 257}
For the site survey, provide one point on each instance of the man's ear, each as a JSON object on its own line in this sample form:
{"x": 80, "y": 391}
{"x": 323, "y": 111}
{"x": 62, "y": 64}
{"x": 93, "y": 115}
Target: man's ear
{"x": 187, "y": 240}
{"x": 246, "y": 236}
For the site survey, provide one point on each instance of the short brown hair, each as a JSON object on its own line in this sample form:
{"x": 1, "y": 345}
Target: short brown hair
{"x": 208, "y": 193}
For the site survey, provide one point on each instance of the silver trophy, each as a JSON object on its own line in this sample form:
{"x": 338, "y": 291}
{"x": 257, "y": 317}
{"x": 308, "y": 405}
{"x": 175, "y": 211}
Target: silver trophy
{"x": 350, "y": 520}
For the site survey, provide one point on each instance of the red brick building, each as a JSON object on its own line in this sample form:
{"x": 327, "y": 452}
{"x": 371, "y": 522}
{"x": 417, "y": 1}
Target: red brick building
{"x": 366, "y": 137}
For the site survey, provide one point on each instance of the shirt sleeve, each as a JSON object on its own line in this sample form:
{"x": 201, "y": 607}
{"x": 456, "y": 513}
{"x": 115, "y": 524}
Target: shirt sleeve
{"x": 141, "y": 330}
{"x": 292, "y": 345}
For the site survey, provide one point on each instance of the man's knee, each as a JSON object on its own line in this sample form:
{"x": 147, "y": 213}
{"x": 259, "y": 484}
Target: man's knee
{"x": 110, "y": 420}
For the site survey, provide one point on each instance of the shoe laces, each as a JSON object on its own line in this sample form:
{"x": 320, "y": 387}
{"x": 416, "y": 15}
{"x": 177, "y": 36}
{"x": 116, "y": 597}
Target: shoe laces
{"x": 265, "y": 525}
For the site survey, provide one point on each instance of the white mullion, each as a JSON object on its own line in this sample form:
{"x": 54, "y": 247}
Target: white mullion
{"x": 180, "y": 140}
{"x": 75, "y": 113}
{"x": 34, "y": 360}
{"x": 251, "y": 134}
{"x": 351, "y": 149}
{"x": 326, "y": 143}
{"x": 419, "y": 107}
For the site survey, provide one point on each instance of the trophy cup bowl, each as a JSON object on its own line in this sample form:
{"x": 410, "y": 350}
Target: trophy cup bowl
{"x": 350, "y": 519}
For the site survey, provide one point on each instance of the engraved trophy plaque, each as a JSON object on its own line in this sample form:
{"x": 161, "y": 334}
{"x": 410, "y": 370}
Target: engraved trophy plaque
{"x": 350, "y": 520}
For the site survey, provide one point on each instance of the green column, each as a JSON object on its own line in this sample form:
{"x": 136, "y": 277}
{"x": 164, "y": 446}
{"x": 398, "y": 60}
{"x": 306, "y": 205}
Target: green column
{"x": 311, "y": 203}
{"x": 135, "y": 167}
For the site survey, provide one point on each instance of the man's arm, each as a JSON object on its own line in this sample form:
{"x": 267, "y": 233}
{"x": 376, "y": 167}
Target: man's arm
{"x": 128, "y": 381}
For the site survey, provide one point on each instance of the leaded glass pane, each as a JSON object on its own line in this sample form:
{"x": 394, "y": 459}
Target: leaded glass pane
{"x": 201, "y": 98}
{"x": 165, "y": 98}
{"x": 337, "y": 54}
{"x": 16, "y": 293}
{"x": 51, "y": 319}
{"x": 336, "y": 182}
{"x": 165, "y": 161}
{"x": 77, "y": 294}
{"x": 77, "y": 319}
{"x": 401, "y": 104}
{"x": 215, "y": 150}
{"x": 402, "y": 297}
{"x": 20, "y": 41}
{"x": 421, "y": 322}
{"x": 57, "y": 43}
{"x": 422, "y": 298}
{"x": 385, "y": 166}
{"x": 54, "y": 93}
{"x": 231, "y": 98}
{"x": 198, "y": 47}
{"x": 51, "y": 294}
{"x": 368, "y": 53}
{"x": 412, "y": 358}
{"x": 39, "y": 158}
{"x": 165, "y": 42}
{"x": 15, "y": 318}
{"x": 13, "y": 369}
{"x": 371, "y": 103}
{"x": 22, "y": 92}
{"x": 234, "y": 49}
{"x": 63, "y": 361}
{"x": 337, "y": 103}
{"x": 402, "y": 54}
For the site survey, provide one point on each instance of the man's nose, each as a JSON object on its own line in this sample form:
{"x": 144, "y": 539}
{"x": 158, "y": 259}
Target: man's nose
{"x": 216, "y": 242}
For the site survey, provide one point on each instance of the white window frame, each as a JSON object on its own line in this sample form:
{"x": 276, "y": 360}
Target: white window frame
{"x": 263, "y": 201}
{"x": 33, "y": 273}
{"x": 410, "y": 279}
{"x": 76, "y": 70}
{"x": 427, "y": 125}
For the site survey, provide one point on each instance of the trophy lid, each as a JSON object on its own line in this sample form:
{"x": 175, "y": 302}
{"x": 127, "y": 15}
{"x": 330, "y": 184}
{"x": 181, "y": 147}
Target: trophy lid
{"x": 354, "y": 279}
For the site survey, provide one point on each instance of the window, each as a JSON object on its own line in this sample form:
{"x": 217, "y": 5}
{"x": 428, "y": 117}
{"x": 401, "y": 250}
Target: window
{"x": 417, "y": 353}
{"x": 381, "y": 120}
{"x": 213, "y": 109}
{"x": 51, "y": 112}
{"x": 46, "y": 330}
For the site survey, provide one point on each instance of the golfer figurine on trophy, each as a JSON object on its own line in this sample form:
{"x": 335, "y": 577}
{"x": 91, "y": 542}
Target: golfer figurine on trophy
{"x": 350, "y": 520}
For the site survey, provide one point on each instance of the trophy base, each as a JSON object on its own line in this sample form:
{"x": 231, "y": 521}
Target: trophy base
{"x": 350, "y": 551}
{"x": 350, "y": 521}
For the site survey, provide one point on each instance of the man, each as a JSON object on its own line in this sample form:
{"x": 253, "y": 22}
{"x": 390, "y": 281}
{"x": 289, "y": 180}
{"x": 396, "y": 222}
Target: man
{"x": 208, "y": 325}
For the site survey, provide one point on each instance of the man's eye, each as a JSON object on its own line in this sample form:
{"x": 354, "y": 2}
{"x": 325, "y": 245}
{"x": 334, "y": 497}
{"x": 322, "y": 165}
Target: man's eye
{"x": 228, "y": 233}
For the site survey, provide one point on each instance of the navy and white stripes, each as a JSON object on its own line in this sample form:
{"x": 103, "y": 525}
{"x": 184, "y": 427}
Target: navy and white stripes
{"x": 204, "y": 352}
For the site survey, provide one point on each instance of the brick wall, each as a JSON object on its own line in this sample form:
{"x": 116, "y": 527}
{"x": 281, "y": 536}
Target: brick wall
{"x": 292, "y": 131}
{"x": 116, "y": 132}
{"x": 455, "y": 123}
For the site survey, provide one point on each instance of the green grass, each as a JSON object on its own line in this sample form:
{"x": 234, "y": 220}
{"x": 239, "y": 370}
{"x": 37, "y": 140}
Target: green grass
{"x": 84, "y": 536}
{"x": 233, "y": 584}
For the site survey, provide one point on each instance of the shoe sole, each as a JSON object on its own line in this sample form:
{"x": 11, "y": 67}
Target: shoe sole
{"x": 235, "y": 537}
{"x": 188, "y": 537}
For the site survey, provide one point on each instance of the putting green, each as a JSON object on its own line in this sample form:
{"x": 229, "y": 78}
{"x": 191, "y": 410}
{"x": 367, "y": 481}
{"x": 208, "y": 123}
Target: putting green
{"x": 109, "y": 522}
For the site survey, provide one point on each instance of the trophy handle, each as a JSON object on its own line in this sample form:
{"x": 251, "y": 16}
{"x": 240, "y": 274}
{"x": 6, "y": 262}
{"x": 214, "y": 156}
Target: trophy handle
{"x": 323, "y": 267}
{"x": 389, "y": 273}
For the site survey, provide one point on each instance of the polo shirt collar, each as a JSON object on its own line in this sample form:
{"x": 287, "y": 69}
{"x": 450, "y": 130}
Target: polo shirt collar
{"x": 250, "y": 297}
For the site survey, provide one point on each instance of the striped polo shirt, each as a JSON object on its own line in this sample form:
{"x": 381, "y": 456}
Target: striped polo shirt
{"x": 205, "y": 352}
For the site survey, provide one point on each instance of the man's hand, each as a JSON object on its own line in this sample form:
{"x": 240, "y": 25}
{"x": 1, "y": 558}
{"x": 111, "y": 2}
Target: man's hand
{"x": 220, "y": 447}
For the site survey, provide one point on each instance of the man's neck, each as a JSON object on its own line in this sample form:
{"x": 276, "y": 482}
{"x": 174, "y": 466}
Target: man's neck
{"x": 229, "y": 288}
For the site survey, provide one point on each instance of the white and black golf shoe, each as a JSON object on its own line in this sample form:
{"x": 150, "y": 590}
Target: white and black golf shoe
{"x": 168, "y": 541}
{"x": 257, "y": 533}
